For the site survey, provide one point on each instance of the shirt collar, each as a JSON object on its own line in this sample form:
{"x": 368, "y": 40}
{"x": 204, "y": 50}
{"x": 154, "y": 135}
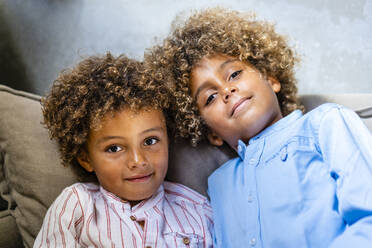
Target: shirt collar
{"x": 277, "y": 126}
{"x": 137, "y": 209}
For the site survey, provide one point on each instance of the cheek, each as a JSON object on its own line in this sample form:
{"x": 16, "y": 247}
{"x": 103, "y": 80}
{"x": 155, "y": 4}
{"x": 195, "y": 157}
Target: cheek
{"x": 112, "y": 167}
{"x": 163, "y": 161}
{"x": 108, "y": 171}
{"x": 215, "y": 119}
{"x": 213, "y": 113}
{"x": 108, "y": 178}
{"x": 159, "y": 159}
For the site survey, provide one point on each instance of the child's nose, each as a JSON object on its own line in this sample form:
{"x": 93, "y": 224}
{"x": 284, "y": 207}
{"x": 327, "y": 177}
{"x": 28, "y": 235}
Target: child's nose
{"x": 136, "y": 159}
{"x": 227, "y": 92}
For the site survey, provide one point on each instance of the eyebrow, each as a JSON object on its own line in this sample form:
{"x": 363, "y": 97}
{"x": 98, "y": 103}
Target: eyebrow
{"x": 152, "y": 129}
{"x": 103, "y": 139}
{"x": 201, "y": 88}
{"x": 224, "y": 64}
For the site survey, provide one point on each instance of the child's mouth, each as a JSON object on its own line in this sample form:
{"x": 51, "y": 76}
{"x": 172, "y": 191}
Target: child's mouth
{"x": 239, "y": 105}
{"x": 140, "y": 178}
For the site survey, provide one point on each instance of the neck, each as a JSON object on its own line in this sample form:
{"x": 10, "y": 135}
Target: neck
{"x": 134, "y": 203}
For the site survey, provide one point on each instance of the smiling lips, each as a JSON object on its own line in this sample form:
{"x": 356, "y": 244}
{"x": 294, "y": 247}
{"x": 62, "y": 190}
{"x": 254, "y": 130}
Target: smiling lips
{"x": 140, "y": 178}
{"x": 239, "y": 105}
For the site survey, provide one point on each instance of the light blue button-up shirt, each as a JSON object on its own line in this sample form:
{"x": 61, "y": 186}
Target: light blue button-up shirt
{"x": 305, "y": 181}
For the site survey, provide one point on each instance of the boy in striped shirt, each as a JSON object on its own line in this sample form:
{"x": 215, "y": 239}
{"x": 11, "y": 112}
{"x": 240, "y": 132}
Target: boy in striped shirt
{"x": 109, "y": 116}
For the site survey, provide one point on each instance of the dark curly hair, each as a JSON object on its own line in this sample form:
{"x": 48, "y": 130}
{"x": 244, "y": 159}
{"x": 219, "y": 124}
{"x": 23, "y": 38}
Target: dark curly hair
{"x": 97, "y": 86}
{"x": 220, "y": 31}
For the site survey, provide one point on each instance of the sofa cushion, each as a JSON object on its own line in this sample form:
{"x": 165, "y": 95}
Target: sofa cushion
{"x": 31, "y": 167}
{"x": 11, "y": 237}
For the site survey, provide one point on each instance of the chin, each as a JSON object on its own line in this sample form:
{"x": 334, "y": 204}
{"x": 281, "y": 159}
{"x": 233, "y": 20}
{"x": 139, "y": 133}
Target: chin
{"x": 140, "y": 197}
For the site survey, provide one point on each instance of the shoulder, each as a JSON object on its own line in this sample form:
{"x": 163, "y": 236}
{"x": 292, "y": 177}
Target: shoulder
{"x": 337, "y": 124}
{"x": 176, "y": 193}
{"x": 224, "y": 170}
{"x": 221, "y": 181}
{"x": 82, "y": 188}
{"x": 326, "y": 109}
{"x": 322, "y": 110}
{"x": 329, "y": 113}
{"x": 75, "y": 196}
{"x": 81, "y": 192}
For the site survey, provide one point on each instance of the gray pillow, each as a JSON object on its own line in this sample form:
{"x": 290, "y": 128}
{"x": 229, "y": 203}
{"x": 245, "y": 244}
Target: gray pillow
{"x": 191, "y": 166}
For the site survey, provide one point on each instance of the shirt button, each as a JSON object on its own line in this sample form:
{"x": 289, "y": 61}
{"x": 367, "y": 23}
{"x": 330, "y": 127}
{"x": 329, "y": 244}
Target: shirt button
{"x": 252, "y": 242}
{"x": 186, "y": 241}
{"x": 250, "y": 199}
{"x": 252, "y": 161}
{"x": 133, "y": 218}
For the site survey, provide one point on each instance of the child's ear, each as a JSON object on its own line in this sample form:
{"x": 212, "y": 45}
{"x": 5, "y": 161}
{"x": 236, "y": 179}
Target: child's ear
{"x": 83, "y": 160}
{"x": 275, "y": 84}
{"x": 214, "y": 139}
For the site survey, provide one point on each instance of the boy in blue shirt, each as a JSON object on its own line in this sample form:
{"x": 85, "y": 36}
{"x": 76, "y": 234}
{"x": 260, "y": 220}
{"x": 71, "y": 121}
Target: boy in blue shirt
{"x": 299, "y": 180}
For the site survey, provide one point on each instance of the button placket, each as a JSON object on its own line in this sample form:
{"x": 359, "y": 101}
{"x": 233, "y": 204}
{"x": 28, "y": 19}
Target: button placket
{"x": 253, "y": 153}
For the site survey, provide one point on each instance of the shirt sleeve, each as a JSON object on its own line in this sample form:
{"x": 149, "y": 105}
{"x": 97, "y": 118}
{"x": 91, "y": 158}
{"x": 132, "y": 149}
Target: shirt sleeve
{"x": 346, "y": 146}
{"x": 62, "y": 222}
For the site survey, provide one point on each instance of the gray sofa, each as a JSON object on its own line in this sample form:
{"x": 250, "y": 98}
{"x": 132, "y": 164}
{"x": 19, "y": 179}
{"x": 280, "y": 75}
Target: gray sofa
{"x": 31, "y": 175}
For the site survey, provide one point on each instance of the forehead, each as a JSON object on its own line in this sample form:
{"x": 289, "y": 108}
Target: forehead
{"x": 127, "y": 117}
{"x": 130, "y": 115}
{"x": 213, "y": 59}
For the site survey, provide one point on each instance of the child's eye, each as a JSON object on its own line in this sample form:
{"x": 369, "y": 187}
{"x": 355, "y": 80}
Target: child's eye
{"x": 113, "y": 149}
{"x": 210, "y": 99}
{"x": 235, "y": 74}
{"x": 151, "y": 141}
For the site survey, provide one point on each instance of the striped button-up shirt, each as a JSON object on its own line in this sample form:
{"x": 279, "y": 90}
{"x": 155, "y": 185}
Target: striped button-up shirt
{"x": 86, "y": 215}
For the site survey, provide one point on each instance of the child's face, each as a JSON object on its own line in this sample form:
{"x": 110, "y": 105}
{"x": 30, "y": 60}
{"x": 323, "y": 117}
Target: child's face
{"x": 129, "y": 153}
{"x": 234, "y": 99}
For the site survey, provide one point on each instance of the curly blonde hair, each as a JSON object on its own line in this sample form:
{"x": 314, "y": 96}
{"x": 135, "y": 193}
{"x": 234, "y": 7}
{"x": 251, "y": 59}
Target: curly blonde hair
{"x": 220, "y": 31}
{"x": 97, "y": 86}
